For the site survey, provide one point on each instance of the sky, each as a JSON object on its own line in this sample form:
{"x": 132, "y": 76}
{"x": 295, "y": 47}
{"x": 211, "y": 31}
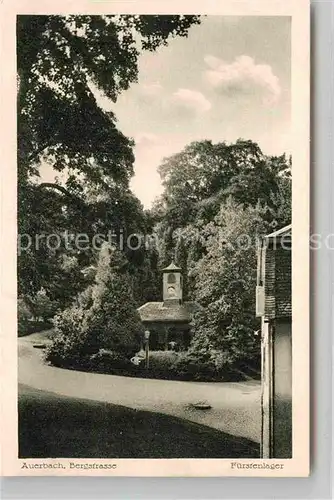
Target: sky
{"x": 229, "y": 79}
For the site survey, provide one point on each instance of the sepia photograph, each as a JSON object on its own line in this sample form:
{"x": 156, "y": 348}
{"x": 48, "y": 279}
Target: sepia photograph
{"x": 154, "y": 239}
{"x": 154, "y": 215}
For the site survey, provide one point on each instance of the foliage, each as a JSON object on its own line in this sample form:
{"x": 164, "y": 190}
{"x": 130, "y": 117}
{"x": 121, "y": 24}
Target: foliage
{"x": 218, "y": 200}
{"x": 107, "y": 361}
{"x": 162, "y": 362}
{"x": 199, "y": 181}
{"x": 225, "y": 280}
{"x": 35, "y": 313}
{"x": 145, "y": 275}
{"x": 52, "y": 425}
{"x": 215, "y": 195}
{"x": 24, "y": 315}
{"x": 23, "y": 311}
{"x": 210, "y": 365}
{"x": 181, "y": 258}
{"x": 41, "y": 306}
{"x": 63, "y": 63}
{"x": 113, "y": 320}
{"x": 59, "y": 58}
{"x": 202, "y": 176}
{"x": 102, "y": 317}
{"x": 165, "y": 245}
{"x": 53, "y": 264}
{"x": 205, "y": 365}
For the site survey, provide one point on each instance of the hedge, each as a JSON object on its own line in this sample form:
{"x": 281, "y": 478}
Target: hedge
{"x": 168, "y": 365}
{"x": 26, "y": 328}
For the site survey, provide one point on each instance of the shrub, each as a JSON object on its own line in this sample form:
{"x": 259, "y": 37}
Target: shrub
{"x": 69, "y": 344}
{"x": 212, "y": 366}
{"x": 162, "y": 363}
{"x": 113, "y": 318}
{"x": 26, "y": 323}
{"x": 42, "y": 307}
{"x": 32, "y": 327}
{"x": 107, "y": 361}
{"x": 34, "y": 313}
{"x": 24, "y": 315}
{"x": 103, "y": 317}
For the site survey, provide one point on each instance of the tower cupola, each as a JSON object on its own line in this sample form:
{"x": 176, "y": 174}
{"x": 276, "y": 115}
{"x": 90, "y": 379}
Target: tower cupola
{"x": 172, "y": 285}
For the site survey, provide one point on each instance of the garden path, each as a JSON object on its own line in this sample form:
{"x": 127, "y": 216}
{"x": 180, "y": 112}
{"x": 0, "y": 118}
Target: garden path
{"x": 235, "y": 406}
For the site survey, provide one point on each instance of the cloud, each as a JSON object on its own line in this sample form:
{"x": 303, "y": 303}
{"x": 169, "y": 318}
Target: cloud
{"x": 150, "y": 89}
{"x": 190, "y": 101}
{"x": 146, "y": 142}
{"x": 146, "y": 138}
{"x": 244, "y": 77}
{"x": 182, "y": 103}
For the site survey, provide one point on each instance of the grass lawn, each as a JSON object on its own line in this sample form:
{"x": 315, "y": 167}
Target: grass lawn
{"x": 61, "y": 427}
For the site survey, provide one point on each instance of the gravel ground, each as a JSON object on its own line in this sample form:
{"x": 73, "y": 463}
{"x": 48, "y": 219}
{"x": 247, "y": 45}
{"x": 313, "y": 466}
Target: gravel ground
{"x": 235, "y": 407}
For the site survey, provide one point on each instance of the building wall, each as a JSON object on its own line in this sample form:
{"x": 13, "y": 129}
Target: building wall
{"x": 277, "y": 279}
{"x": 283, "y": 283}
{"x": 282, "y": 390}
{"x": 163, "y": 333}
{"x": 266, "y": 388}
{"x": 172, "y": 279}
{"x": 276, "y": 401}
{"x": 275, "y": 274}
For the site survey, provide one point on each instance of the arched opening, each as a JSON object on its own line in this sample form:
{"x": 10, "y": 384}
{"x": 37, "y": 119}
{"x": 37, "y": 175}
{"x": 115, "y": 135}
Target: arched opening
{"x": 171, "y": 278}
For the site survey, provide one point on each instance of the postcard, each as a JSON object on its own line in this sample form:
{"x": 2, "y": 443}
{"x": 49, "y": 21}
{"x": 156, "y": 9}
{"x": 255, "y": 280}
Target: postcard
{"x": 155, "y": 210}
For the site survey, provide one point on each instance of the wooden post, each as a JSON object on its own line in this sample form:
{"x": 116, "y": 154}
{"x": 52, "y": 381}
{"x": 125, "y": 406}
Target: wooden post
{"x": 147, "y": 349}
{"x": 147, "y": 355}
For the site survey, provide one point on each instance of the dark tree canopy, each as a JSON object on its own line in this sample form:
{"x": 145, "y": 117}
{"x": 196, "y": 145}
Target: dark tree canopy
{"x": 58, "y": 57}
{"x": 203, "y": 175}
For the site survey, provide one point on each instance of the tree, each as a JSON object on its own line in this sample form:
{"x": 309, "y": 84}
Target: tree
{"x": 62, "y": 62}
{"x": 202, "y": 176}
{"x": 146, "y": 277}
{"x": 60, "y": 59}
{"x": 181, "y": 258}
{"x": 225, "y": 280}
{"x": 113, "y": 321}
{"x": 104, "y": 316}
{"x": 45, "y": 218}
{"x": 164, "y": 237}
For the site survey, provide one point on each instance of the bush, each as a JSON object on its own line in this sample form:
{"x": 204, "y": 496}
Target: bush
{"x": 107, "y": 361}
{"x": 24, "y": 316}
{"x": 69, "y": 343}
{"x": 102, "y": 319}
{"x": 64, "y": 353}
{"x": 162, "y": 363}
{"x": 34, "y": 314}
{"x": 167, "y": 365}
{"x": 31, "y": 326}
{"x": 205, "y": 366}
{"x": 113, "y": 319}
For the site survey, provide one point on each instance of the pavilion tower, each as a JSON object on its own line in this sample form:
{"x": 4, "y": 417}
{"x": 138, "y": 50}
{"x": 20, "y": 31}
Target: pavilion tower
{"x": 172, "y": 285}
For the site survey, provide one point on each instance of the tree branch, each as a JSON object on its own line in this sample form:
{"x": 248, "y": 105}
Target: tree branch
{"x": 63, "y": 190}
{"x": 33, "y": 156}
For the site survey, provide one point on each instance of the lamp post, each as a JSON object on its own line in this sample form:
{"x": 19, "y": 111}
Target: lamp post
{"x": 147, "y": 348}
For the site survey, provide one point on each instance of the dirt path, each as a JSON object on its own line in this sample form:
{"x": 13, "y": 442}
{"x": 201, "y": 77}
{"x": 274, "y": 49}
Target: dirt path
{"x": 235, "y": 406}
